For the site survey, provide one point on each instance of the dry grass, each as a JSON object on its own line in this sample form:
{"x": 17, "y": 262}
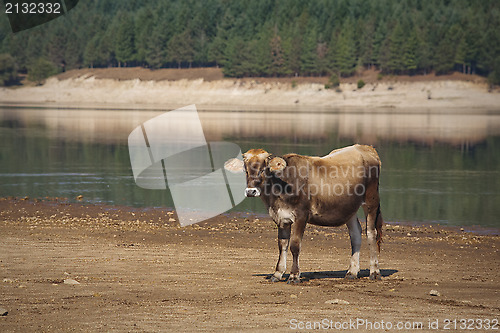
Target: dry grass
{"x": 213, "y": 74}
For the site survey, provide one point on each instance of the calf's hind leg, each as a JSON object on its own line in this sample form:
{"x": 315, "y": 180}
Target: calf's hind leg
{"x": 355, "y": 235}
{"x": 373, "y": 231}
{"x": 297, "y": 233}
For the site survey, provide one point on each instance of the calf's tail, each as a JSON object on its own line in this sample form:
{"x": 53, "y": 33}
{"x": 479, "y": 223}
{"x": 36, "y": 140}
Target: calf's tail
{"x": 378, "y": 226}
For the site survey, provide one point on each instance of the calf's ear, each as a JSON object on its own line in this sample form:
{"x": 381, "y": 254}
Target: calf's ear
{"x": 289, "y": 172}
{"x": 234, "y": 165}
{"x": 276, "y": 164}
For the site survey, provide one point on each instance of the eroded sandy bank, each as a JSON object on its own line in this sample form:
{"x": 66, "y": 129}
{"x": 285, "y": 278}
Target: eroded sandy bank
{"x": 89, "y": 91}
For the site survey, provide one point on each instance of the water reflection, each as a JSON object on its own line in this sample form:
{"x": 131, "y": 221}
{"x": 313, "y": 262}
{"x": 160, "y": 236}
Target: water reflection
{"x": 421, "y": 126}
{"x": 437, "y": 166}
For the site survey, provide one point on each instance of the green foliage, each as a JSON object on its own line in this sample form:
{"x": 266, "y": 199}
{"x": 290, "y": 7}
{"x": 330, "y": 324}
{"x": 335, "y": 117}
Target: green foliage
{"x": 344, "y": 51}
{"x": 180, "y": 48}
{"x": 308, "y": 58}
{"x": 334, "y": 81}
{"x": 91, "y": 54}
{"x": 8, "y": 69}
{"x": 144, "y": 27}
{"x": 40, "y": 70}
{"x": 277, "y": 55}
{"x": 155, "y": 54}
{"x": 446, "y": 50}
{"x": 125, "y": 40}
{"x": 270, "y": 38}
{"x": 361, "y": 84}
{"x": 395, "y": 59}
{"x": 494, "y": 77}
{"x": 410, "y": 53}
{"x": 237, "y": 58}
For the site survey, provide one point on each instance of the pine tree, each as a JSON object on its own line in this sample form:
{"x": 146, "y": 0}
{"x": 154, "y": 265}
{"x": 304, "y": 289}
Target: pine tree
{"x": 488, "y": 58}
{"x": 410, "y": 53}
{"x": 91, "y": 54}
{"x": 277, "y": 56}
{"x": 260, "y": 53}
{"x": 494, "y": 76}
{"x": 8, "y": 69}
{"x": 345, "y": 54}
{"x": 180, "y": 48}
{"x": 155, "y": 52}
{"x": 144, "y": 27}
{"x": 379, "y": 45}
{"x": 444, "y": 60}
{"x": 237, "y": 58}
{"x": 424, "y": 52}
{"x": 35, "y": 47}
{"x": 106, "y": 49}
{"x": 396, "y": 61}
{"x": 294, "y": 43}
{"x": 366, "y": 45}
{"x": 308, "y": 57}
{"x": 57, "y": 45}
{"x": 125, "y": 41}
{"x": 41, "y": 69}
{"x": 217, "y": 48}
{"x": 461, "y": 55}
{"x": 16, "y": 44}
{"x": 322, "y": 58}
{"x": 72, "y": 53}
{"x": 201, "y": 48}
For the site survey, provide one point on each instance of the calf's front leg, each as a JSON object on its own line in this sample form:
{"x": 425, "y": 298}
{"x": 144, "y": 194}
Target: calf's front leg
{"x": 284, "y": 232}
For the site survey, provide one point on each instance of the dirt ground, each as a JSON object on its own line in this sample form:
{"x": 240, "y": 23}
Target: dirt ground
{"x": 139, "y": 271}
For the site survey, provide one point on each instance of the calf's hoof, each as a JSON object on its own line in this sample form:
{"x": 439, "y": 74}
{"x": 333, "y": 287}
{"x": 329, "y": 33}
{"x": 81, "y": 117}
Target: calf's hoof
{"x": 351, "y": 276}
{"x": 274, "y": 279}
{"x": 295, "y": 280}
{"x": 375, "y": 276}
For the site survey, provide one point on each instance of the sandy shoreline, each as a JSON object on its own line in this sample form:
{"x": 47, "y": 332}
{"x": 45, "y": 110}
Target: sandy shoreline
{"x": 253, "y": 94}
{"x": 139, "y": 271}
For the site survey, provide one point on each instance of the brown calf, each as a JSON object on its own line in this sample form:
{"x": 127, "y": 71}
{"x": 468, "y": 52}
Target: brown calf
{"x": 325, "y": 191}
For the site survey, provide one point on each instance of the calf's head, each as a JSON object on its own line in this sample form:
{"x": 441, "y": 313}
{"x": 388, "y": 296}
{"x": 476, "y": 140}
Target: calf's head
{"x": 258, "y": 165}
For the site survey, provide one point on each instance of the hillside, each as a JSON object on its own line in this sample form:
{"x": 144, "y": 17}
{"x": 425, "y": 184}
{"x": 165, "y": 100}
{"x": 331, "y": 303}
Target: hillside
{"x": 267, "y": 38}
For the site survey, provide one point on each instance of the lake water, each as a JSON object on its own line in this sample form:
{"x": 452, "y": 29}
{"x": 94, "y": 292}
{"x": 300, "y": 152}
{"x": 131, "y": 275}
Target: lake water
{"x": 438, "y": 166}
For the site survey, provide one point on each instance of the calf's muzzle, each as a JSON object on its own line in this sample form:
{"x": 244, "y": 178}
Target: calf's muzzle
{"x": 252, "y": 192}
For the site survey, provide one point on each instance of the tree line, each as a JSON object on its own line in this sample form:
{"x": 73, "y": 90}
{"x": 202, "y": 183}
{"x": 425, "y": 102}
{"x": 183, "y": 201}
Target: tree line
{"x": 267, "y": 37}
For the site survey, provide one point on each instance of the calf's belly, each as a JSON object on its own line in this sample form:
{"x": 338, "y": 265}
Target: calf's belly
{"x": 329, "y": 220}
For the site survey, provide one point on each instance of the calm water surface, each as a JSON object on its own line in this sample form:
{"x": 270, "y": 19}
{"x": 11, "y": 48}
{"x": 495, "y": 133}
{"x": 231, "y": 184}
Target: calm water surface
{"x": 437, "y": 165}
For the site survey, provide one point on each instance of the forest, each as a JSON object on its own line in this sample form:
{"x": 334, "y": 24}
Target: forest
{"x": 269, "y": 38}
